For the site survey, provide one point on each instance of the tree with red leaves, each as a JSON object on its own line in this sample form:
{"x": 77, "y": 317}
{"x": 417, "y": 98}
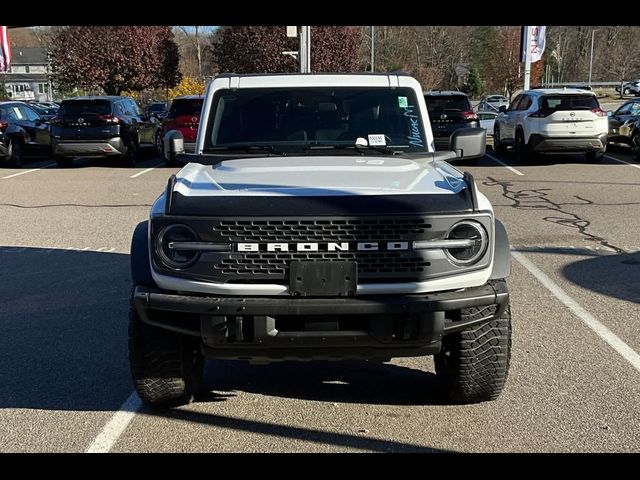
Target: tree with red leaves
{"x": 114, "y": 58}
{"x": 258, "y": 49}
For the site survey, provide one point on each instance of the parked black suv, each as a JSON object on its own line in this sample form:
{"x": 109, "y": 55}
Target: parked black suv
{"x": 101, "y": 127}
{"x": 23, "y": 132}
{"x": 449, "y": 111}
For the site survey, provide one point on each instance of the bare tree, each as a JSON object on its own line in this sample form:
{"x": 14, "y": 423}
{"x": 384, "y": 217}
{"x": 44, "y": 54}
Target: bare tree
{"x": 194, "y": 38}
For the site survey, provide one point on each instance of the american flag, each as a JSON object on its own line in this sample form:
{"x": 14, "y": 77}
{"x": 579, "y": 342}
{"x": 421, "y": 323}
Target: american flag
{"x": 5, "y": 50}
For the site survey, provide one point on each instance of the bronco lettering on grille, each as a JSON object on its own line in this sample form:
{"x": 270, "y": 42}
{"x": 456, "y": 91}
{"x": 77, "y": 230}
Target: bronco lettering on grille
{"x": 322, "y": 247}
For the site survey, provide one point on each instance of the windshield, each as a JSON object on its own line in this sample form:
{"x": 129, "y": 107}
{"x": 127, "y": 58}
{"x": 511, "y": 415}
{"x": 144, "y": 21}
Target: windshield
{"x": 185, "y": 107}
{"x": 569, "y": 102}
{"x": 157, "y": 107}
{"x": 85, "y": 107}
{"x": 437, "y": 104}
{"x": 294, "y": 119}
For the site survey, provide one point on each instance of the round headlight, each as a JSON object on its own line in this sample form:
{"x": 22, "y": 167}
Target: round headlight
{"x": 467, "y": 230}
{"x": 167, "y": 244}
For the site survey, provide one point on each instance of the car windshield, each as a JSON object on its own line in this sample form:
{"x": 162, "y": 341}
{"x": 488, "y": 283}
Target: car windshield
{"x": 181, "y": 107}
{"x": 569, "y": 102}
{"x": 299, "y": 119}
{"x": 497, "y": 99}
{"x": 85, "y": 107}
{"x": 441, "y": 103}
{"x": 157, "y": 107}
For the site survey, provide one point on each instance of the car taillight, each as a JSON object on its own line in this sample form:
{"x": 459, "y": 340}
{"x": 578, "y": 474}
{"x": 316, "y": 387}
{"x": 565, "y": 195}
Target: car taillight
{"x": 109, "y": 118}
{"x": 599, "y": 112}
{"x": 55, "y": 120}
{"x": 3, "y": 126}
{"x": 469, "y": 115}
{"x": 542, "y": 113}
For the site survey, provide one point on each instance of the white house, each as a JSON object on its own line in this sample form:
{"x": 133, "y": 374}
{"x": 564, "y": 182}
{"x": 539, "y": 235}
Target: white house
{"x": 28, "y": 78}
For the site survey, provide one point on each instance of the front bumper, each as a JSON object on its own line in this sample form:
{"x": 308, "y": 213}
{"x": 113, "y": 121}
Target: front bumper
{"x": 83, "y": 148}
{"x": 540, "y": 143}
{"x": 268, "y": 328}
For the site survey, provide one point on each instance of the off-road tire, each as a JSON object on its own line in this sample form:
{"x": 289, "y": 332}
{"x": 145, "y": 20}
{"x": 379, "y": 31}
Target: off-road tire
{"x": 473, "y": 364}
{"x": 166, "y": 367}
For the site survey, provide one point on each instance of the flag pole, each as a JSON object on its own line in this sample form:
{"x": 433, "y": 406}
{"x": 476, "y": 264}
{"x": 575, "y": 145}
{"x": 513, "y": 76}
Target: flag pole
{"x": 527, "y": 57}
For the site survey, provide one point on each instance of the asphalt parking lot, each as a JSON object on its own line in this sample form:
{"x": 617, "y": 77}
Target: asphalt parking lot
{"x": 573, "y": 386}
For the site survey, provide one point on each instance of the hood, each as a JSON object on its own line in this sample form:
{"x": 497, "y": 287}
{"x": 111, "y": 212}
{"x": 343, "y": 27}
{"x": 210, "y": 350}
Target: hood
{"x": 319, "y": 176}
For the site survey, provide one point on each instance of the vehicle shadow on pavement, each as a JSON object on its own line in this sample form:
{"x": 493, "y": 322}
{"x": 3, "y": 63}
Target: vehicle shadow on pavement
{"x": 146, "y": 157}
{"x": 613, "y": 275}
{"x": 64, "y": 344}
{"x": 64, "y": 323}
{"x": 354, "y": 381}
{"x": 616, "y": 276}
{"x": 360, "y": 442}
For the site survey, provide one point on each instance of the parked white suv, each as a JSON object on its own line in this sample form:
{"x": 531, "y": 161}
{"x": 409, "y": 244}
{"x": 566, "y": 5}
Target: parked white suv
{"x": 553, "y": 121}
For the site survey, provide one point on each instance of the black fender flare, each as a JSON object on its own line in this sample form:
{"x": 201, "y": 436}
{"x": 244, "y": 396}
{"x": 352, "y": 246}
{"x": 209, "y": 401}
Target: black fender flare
{"x": 140, "y": 264}
{"x": 501, "y": 253}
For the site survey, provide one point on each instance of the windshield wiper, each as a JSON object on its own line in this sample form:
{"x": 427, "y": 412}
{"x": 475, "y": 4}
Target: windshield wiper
{"x": 234, "y": 147}
{"x": 357, "y": 148}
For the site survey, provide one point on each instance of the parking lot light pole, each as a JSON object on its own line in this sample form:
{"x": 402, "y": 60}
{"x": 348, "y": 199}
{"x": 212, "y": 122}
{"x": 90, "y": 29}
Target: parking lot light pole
{"x": 591, "y": 58}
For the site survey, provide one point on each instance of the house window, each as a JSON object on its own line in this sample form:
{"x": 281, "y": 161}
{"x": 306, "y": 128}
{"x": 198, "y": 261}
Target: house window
{"x": 41, "y": 87}
{"x": 26, "y": 69}
{"x": 18, "y": 69}
{"x": 38, "y": 69}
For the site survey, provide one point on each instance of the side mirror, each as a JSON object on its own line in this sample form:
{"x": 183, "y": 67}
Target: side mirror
{"x": 609, "y": 113}
{"x": 173, "y": 145}
{"x": 468, "y": 142}
{"x": 502, "y": 109}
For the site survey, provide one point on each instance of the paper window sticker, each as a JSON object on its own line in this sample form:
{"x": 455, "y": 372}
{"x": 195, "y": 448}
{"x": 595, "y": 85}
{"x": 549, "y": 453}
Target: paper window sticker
{"x": 377, "y": 139}
{"x": 402, "y": 102}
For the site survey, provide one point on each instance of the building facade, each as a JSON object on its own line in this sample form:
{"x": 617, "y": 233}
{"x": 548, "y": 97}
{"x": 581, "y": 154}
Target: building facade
{"x": 28, "y": 78}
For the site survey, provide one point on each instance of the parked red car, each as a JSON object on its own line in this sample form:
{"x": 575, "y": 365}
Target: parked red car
{"x": 184, "y": 115}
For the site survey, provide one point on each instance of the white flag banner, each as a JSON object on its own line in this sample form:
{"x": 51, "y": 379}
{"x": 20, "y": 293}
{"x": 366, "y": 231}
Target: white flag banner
{"x": 537, "y": 43}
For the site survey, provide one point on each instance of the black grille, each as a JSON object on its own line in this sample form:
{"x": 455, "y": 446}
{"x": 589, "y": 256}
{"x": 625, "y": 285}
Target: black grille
{"x": 370, "y": 264}
{"x": 382, "y": 229}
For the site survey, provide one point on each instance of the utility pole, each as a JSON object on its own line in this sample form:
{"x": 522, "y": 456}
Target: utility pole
{"x": 527, "y": 57}
{"x": 373, "y": 47}
{"x": 305, "y": 50}
{"x": 591, "y": 58}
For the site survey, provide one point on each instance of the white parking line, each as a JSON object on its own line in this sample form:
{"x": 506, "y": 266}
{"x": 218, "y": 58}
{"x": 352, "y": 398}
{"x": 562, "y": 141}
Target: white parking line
{"x": 517, "y": 172}
{"x": 603, "y": 332}
{"x": 109, "y": 435}
{"x": 622, "y": 161}
{"x": 145, "y": 171}
{"x": 29, "y": 171}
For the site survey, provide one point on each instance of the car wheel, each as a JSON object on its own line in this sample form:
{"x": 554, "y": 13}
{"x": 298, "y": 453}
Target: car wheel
{"x": 474, "y": 363}
{"x": 63, "y": 162}
{"x": 130, "y": 156}
{"x": 593, "y": 157}
{"x": 166, "y": 367}
{"x": 498, "y": 145}
{"x": 635, "y": 145}
{"x": 158, "y": 143}
{"x": 14, "y": 152}
{"x": 520, "y": 147}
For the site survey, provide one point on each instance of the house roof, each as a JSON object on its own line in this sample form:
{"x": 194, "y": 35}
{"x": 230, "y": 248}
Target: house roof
{"x": 26, "y": 77}
{"x": 28, "y": 56}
